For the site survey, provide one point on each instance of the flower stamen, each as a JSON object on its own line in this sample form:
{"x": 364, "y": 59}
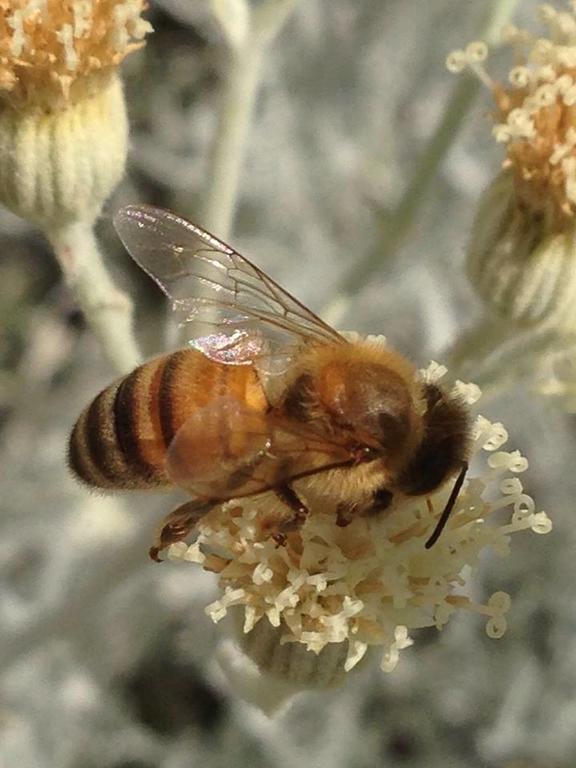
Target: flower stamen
{"x": 536, "y": 112}
{"x": 372, "y": 583}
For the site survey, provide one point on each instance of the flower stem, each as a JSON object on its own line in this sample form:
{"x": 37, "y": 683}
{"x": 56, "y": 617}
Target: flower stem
{"x": 498, "y": 355}
{"x": 238, "y": 98}
{"x": 233, "y": 126}
{"x": 394, "y": 226}
{"x": 475, "y": 345}
{"x": 107, "y": 309}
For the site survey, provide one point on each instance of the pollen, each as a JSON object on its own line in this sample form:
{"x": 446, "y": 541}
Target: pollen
{"x": 535, "y": 116}
{"x": 51, "y": 49}
{"x": 371, "y": 584}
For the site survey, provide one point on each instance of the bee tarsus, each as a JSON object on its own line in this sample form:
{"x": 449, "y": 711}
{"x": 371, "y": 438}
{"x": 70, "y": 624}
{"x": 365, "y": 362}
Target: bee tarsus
{"x": 177, "y": 525}
{"x": 300, "y": 511}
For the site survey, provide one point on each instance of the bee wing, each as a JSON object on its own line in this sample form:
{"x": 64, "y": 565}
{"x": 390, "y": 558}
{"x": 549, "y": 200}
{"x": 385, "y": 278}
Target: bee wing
{"x": 227, "y": 450}
{"x": 235, "y": 312}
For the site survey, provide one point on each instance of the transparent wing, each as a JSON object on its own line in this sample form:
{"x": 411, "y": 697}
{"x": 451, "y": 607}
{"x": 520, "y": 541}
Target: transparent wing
{"x": 235, "y": 313}
{"x": 227, "y": 450}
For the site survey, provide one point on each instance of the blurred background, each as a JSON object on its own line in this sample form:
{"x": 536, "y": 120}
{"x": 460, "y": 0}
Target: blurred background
{"x": 106, "y": 659}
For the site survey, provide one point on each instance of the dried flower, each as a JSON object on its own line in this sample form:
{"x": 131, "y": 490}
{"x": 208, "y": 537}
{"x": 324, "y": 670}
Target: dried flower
{"x": 333, "y": 593}
{"x": 63, "y": 126}
{"x": 521, "y": 255}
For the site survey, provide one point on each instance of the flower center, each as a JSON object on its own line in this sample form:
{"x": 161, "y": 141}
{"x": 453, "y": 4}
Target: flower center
{"x": 536, "y": 112}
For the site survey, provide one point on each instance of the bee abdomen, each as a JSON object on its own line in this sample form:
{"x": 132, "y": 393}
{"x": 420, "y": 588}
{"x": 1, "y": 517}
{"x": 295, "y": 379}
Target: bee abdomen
{"x": 117, "y": 441}
{"x": 121, "y": 439}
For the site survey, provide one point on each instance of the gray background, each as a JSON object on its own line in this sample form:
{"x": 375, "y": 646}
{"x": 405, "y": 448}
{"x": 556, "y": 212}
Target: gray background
{"x": 105, "y": 658}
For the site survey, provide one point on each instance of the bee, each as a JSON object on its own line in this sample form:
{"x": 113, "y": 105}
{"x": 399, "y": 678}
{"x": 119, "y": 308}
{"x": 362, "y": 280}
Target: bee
{"x": 265, "y": 398}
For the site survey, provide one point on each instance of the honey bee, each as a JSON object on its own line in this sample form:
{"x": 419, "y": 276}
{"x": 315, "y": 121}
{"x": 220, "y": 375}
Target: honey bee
{"x": 266, "y": 397}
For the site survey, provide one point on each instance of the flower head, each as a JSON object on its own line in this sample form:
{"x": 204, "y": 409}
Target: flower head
{"x": 521, "y": 252}
{"x": 372, "y": 583}
{"x": 536, "y": 111}
{"x": 50, "y": 50}
{"x": 63, "y": 123}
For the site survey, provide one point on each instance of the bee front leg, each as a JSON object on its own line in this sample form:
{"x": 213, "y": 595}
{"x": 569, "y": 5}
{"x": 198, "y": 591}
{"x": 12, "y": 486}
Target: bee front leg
{"x": 178, "y": 524}
{"x": 345, "y": 513}
{"x": 288, "y": 496}
{"x": 377, "y": 502}
{"x": 380, "y": 501}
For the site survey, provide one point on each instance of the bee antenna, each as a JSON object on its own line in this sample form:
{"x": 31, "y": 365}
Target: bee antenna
{"x": 441, "y": 524}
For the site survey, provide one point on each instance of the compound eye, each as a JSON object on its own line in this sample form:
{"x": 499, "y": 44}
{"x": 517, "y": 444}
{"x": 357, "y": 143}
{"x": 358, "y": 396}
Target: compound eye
{"x": 366, "y": 453}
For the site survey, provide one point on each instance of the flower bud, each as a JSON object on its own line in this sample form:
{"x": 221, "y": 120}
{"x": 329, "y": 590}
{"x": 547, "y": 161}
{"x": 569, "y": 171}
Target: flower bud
{"x": 268, "y": 673}
{"x": 292, "y": 662}
{"x": 59, "y": 167}
{"x": 522, "y": 267}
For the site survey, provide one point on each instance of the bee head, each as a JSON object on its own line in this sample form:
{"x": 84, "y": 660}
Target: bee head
{"x": 444, "y": 447}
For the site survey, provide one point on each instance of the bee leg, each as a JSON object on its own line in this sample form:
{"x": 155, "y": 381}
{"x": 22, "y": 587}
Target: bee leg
{"x": 178, "y": 524}
{"x": 381, "y": 500}
{"x": 289, "y": 496}
{"x": 344, "y": 515}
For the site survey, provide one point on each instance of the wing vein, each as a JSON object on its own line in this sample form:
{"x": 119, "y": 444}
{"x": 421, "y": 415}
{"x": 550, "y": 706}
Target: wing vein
{"x": 212, "y": 286}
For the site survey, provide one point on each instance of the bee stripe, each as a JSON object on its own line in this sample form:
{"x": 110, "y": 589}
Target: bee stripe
{"x": 126, "y": 427}
{"x": 93, "y": 453}
{"x": 104, "y": 451}
{"x": 146, "y": 418}
{"x": 79, "y": 458}
{"x": 187, "y": 383}
{"x": 165, "y": 409}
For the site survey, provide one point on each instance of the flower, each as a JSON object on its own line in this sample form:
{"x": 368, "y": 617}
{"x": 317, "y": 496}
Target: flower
{"x": 333, "y": 593}
{"x": 63, "y": 125}
{"x": 521, "y": 253}
{"x": 54, "y": 51}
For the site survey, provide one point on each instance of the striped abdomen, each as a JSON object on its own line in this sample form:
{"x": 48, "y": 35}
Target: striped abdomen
{"x": 121, "y": 439}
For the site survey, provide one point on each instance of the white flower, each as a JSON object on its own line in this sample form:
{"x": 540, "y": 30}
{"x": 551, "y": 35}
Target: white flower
{"x": 521, "y": 252}
{"x": 371, "y": 584}
{"x": 535, "y": 119}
